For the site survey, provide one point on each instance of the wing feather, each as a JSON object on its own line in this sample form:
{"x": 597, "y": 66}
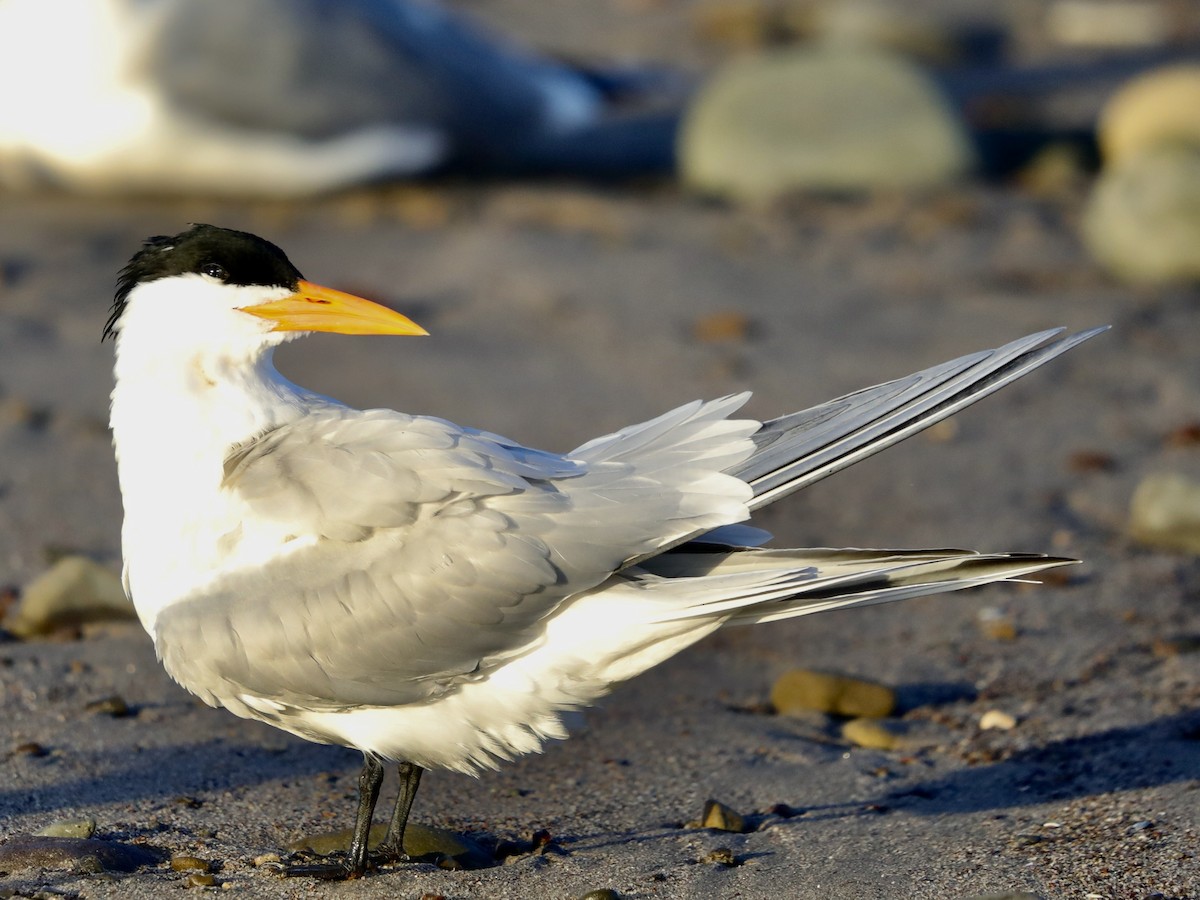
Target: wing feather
{"x": 426, "y": 553}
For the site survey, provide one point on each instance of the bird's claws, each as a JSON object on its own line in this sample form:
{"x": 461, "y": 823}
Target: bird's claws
{"x": 334, "y": 867}
{"x": 385, "y": 854}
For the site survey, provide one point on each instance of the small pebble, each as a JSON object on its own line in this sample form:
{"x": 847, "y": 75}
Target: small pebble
{"x": 69, "y": 828}
{"x": 804, "y": 689}
{"x": 720, "y": 817}
{"x": 1091, "y": 461}
{"x": 30, "y": 748}
{"x": 190, "y": 864}
{"x": 997, "y": 719}
{"x": 996, "y": 624}
{"x": 875, "y": 734}
{"x": 110, "y": 706}
{"x": 1184, "y": 436}
{"x": 267, "y": 859}
{"x": 942, "y": 432}
{"x": 722, "y": 856}
{"x": 1164, "y": 648}
{"x": 201, "y": 879}
{"x": 729, "y": 326}
{"x": 601, "y": 894}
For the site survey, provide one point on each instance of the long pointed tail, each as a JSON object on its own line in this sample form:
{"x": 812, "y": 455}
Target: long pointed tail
{"x": 746, "y": 587}
{"x": 796, "y": 450}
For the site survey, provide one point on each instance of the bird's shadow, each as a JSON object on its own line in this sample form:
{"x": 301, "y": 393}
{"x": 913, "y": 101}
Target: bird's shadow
{"x": 1163, "y": 751}
{"x": 195, "y": 768}
{"x": 1159, "y": 752}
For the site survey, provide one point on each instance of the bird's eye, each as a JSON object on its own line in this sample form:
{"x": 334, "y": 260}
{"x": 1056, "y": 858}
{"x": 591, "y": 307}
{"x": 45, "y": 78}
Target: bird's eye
{"x": 212, "y": 270}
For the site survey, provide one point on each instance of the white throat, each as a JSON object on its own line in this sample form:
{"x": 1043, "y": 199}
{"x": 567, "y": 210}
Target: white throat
{"x": 194, "y": 379}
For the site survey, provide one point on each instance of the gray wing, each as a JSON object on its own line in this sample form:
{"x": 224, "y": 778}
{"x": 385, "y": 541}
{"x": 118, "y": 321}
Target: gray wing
{"x": 429, "y": 553}
{"x": 322, "y": 68}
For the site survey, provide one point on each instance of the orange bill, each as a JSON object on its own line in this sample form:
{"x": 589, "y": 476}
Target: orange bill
{"x": 317, "y": 308}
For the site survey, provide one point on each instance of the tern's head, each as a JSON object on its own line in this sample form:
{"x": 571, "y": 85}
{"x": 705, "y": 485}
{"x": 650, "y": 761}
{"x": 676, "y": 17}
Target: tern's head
{"x": 222, "y": 288}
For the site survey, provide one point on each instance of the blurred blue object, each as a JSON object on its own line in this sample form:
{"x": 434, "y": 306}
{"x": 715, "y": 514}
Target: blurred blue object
{"x": 293, "y": 97}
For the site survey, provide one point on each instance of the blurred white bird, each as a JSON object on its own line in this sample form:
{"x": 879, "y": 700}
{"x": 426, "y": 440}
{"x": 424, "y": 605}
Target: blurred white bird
{"x": 436, "y": 595}
{"x": 290, "y": 97}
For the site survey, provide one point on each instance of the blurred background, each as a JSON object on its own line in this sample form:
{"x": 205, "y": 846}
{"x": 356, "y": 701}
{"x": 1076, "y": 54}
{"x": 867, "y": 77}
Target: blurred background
{"x": 603, "y": 208}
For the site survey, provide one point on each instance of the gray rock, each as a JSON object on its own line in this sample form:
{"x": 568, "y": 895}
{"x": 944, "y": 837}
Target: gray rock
{"x": 820, "y": 119}
{"x": 1142, "y": 221}
{"x": 72, "y": 591}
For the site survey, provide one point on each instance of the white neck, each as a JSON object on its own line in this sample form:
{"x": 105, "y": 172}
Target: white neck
{"x": 189, "y": 388}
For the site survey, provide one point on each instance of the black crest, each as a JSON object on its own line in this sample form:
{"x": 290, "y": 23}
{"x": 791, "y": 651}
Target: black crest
{"x": 232, "y": 257}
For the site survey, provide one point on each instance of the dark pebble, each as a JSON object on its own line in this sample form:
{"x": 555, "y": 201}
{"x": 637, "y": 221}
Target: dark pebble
{"x": 110, "y": 706}
{"x": 722, "y": 856}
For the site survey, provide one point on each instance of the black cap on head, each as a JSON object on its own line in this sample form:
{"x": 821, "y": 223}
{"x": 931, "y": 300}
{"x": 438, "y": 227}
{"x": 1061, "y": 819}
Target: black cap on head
{"x": 233, "y": 257}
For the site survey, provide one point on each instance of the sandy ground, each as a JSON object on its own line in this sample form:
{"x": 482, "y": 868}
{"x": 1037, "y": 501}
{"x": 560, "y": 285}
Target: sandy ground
{"x": 558, "y": 313}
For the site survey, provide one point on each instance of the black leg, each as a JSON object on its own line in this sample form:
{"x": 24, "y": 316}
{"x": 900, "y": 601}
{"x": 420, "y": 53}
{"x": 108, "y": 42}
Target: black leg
{"x": 392, "y": 848}
{"x": 369, "y": 780}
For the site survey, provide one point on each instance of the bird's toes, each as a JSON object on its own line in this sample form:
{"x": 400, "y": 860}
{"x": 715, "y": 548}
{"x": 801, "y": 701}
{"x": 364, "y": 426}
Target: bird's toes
{"x": 335, "y": 867}
{"x": 385, "y": 854}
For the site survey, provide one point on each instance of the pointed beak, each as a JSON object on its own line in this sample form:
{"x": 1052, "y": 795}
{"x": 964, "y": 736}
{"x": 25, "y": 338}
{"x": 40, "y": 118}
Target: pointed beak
{"x": 317, "y": 308}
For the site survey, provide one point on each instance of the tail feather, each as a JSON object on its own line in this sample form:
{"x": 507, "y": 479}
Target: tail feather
{"x": 746, "y": 587}
{"x": 797, "y": 450}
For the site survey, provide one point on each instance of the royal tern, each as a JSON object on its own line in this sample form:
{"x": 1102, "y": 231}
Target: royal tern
{"x": 293, "y": 97}
{"x": 438, "y": 596}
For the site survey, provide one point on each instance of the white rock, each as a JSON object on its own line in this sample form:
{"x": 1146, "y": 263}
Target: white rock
{"x": 997, "y": 719}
